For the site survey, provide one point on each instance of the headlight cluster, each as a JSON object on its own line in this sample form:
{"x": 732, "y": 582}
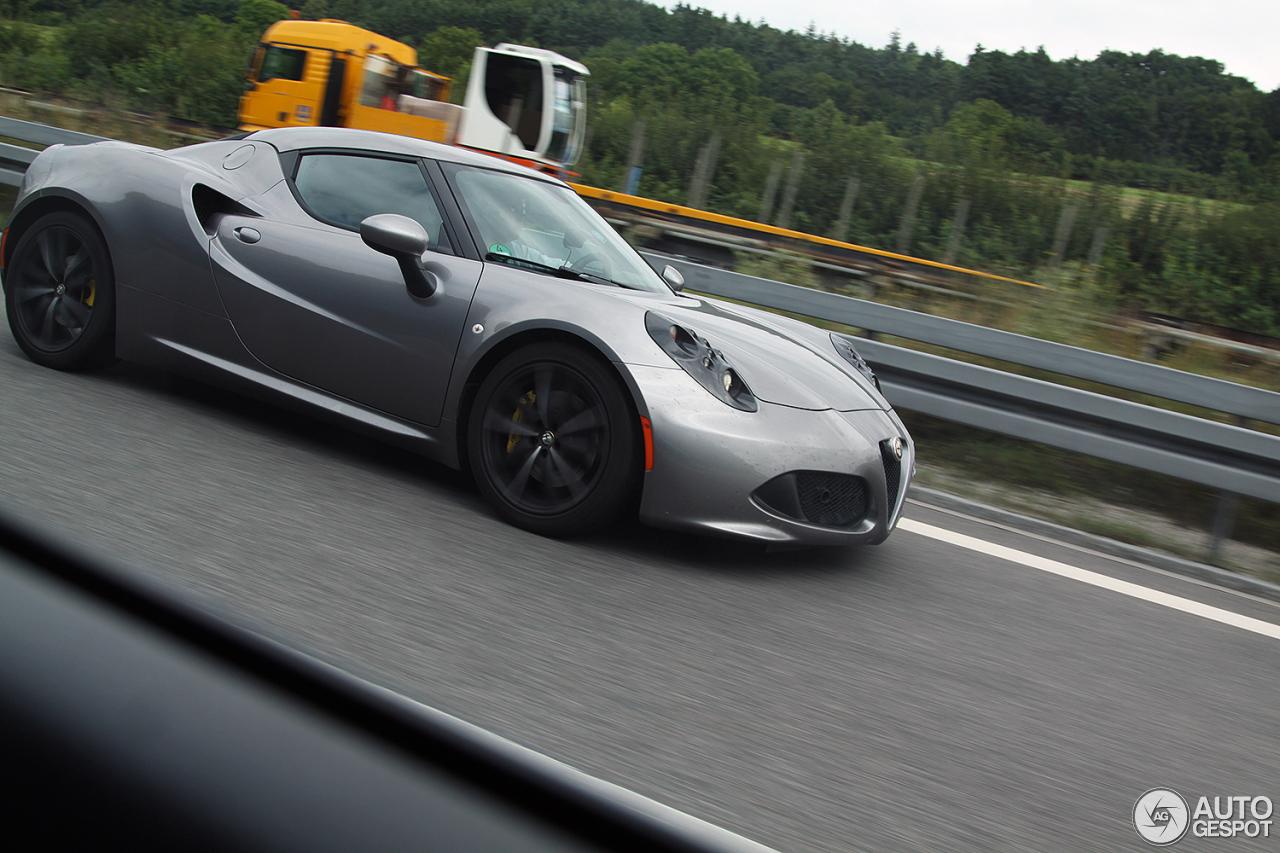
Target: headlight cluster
{"x": 844, "y": 346}
{"x": 701, "y": 361}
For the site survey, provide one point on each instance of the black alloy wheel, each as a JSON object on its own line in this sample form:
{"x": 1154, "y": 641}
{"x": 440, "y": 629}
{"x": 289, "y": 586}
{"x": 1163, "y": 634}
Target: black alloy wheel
{"x": 60, "y": 294}
{"x": 553, "y": 441}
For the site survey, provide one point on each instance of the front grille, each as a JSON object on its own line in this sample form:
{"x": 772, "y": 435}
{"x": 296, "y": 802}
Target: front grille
{"x": 818, "y": 497}
{"x": 892, "y": 471}
{"x": 834, "y": 500}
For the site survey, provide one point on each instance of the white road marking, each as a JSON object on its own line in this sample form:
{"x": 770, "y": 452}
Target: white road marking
{"x": 1164, "y": 599}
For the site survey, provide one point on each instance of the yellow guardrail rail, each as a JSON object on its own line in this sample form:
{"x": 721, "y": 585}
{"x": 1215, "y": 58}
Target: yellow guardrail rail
{"x": 762, "y": 231}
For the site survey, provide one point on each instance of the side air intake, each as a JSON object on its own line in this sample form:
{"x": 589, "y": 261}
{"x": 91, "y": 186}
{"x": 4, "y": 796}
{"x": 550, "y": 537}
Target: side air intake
{"x": 211, "y": 205}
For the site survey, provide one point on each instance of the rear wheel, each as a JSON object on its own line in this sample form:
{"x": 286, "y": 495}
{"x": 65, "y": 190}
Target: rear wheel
{"x": 60, "y": 294}
{"x": 552, "y": 440}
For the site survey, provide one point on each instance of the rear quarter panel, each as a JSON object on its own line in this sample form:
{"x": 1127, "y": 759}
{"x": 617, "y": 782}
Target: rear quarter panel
{"x": 140, "y": 198}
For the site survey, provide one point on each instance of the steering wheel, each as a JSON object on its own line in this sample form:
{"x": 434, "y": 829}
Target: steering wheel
{"x": 591, "y": 264}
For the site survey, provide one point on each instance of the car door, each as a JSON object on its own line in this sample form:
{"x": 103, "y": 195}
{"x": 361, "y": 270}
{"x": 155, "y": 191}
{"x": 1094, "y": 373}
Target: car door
{"x": 309, "y": 299}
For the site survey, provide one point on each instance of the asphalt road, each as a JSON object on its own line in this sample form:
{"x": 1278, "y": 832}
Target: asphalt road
{"x": 913, "y": 696}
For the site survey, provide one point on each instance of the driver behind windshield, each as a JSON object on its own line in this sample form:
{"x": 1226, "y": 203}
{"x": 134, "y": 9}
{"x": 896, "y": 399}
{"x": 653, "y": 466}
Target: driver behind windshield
{"x": 548, "y": 227}
{"x": 503, "y": 230}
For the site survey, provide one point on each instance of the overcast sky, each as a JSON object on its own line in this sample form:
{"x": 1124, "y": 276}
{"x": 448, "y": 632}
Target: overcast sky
{"x": 1244, "y": 35}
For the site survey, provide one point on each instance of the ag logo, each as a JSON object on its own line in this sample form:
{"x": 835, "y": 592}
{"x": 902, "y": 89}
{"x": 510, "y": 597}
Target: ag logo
{"x": 1161, "y": 816}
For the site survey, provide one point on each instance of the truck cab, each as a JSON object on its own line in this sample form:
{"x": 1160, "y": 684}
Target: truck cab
{"x": 526, "y": 102}
{"x": 522, "y": 103}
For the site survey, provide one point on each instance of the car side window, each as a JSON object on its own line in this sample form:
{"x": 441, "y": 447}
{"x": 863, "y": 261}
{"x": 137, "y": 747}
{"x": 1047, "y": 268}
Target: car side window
{"x": 344, "y": 189}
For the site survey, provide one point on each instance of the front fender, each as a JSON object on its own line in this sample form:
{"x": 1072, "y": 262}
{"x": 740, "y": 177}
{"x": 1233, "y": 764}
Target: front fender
{"x": 512, "y": 306}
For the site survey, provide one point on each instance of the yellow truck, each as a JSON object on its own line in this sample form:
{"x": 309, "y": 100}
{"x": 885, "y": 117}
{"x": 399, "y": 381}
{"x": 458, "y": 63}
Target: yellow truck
{"x": 523, "y": 103}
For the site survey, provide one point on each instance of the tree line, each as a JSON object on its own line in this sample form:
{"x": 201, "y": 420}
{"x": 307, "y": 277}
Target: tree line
{"x": 1168, "y": 112}
{"x": 1012, "y": 139}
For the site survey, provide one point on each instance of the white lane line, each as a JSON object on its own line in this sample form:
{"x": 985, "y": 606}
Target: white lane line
{"x": 1164, "y": 599}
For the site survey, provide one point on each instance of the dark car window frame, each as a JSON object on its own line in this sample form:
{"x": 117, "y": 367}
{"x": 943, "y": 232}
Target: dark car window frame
{"x": 463, "y": 243}
{"x": 291, "y": 161}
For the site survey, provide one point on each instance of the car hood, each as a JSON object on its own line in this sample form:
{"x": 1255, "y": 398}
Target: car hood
{"x": 783, "y": 361}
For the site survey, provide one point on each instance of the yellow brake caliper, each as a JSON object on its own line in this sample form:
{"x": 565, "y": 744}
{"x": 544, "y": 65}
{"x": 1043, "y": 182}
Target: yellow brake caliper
{"x": 518, "y": 416}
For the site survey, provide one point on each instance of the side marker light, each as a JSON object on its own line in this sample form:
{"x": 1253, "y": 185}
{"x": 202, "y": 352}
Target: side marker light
{"x": 647, "y": 428}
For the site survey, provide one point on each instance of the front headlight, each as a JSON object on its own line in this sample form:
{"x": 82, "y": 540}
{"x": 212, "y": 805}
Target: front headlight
{"x": 844, "y": 346}
{"x": 701, "y": 361}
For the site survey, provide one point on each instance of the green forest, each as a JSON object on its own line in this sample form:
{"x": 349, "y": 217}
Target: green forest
{"x": 1168, "y": 167}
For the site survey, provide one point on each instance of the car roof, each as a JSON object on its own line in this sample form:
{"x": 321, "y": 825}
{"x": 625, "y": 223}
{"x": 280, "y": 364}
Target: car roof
{"x": 296, "y": 138}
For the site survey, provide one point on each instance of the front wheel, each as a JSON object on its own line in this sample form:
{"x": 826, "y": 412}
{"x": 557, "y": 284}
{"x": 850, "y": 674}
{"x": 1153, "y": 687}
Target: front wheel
{"x": 552, "y": 440}
{"x": 60, "y": 294}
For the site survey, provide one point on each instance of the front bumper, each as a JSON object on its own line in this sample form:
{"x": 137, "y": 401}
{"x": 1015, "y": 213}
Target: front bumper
{"x": 779, "y": 475}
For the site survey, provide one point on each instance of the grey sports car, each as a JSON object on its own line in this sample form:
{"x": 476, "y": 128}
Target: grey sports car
{"x": 466, "y": 307}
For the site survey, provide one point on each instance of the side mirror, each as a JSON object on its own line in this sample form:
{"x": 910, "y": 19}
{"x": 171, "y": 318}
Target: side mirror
{"x": 672, "y": 276}
{"x": 405, "y": 240}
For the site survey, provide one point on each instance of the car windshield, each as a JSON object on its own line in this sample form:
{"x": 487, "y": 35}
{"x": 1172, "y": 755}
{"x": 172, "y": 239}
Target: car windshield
{"x": 538, "y": 224}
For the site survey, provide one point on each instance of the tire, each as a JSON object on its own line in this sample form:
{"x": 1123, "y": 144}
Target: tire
{"x": 553, "y": 441}
{"x": 60, "y": 294}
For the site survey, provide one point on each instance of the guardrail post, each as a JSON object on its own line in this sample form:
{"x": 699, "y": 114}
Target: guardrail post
{"x": 851, "y": 188}
{"x": 1100, "y": 235}
{"x": 703, "y": 169}
{"x": 1224, "y": 520}
{"x": 1066, "y": 223}
{"x": 957, "y": 231}
{"x": 908, "y": 223}
{"x": 793, "y": 186}
{"x": 1224, "y": 517}
{"x": 635, "y": 159}
{"x": 770, "y": 191}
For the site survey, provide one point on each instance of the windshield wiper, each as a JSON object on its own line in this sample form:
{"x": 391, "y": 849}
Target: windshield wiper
{"x": 559, "y": 272}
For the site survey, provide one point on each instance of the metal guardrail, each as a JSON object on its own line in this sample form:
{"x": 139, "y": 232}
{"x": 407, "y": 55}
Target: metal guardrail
{"x": 1231, "y": 458}
{"x": 14, "y": 159}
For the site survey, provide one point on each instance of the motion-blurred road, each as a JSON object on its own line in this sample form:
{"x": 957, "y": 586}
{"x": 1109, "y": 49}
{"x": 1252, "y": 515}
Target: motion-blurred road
{"x": 914, "y": 696}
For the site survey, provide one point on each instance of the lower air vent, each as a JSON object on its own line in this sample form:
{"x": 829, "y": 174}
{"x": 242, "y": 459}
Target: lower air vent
{"x": 835, "y": 500}
{"x": 817, "y": 497}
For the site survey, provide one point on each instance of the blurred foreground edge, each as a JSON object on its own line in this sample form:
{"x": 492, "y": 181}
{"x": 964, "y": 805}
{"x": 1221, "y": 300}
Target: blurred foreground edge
{"x": 130, "y": 720}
